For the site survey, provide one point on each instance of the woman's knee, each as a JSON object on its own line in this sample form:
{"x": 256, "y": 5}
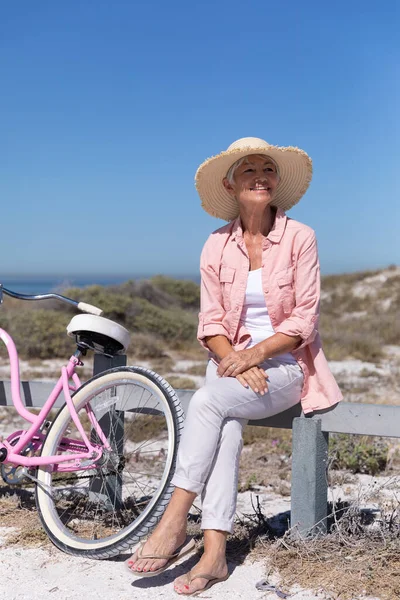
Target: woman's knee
{"x": 232, "y": 435}
{"x": 203, "y": 401}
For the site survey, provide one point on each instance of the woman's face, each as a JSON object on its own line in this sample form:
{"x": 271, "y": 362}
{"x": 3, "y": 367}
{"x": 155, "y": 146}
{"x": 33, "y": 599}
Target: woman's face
{"x": 254, "y": 181}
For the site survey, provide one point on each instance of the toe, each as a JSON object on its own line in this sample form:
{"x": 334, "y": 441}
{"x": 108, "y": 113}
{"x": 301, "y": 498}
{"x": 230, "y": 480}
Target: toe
{"x": 146, "y": 566}
{"x": 132, "y": 560}
{"x": 156, "y": 564}
{"x": 181, "y": 584}
{"x": 139, "y": 565}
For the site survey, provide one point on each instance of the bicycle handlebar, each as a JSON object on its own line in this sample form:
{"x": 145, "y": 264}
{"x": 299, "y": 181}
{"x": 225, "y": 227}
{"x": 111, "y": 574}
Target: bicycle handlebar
{"x": 89, "y": 308}
{"x": 82, "y": 306}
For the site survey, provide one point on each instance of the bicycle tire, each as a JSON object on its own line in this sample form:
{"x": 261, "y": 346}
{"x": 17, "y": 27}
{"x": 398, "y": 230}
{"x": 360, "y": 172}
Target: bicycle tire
{"x": 121, "y": 542}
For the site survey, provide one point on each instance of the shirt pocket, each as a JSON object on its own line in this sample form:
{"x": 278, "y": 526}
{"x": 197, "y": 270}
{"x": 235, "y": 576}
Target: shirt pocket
{"x": 286, "y": 292}
{"x": 226, "y": 278}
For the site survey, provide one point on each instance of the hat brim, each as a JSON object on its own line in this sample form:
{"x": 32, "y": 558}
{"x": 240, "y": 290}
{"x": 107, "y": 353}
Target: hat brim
{"x": 295, "y": 171}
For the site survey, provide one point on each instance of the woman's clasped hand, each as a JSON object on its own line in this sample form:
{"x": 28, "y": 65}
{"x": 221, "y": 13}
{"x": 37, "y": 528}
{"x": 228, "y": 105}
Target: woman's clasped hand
{"x": 244, "y": 365}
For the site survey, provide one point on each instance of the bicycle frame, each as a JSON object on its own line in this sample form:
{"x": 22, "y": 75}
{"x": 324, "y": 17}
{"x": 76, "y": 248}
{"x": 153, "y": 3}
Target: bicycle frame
{"x": 89, "y": 452}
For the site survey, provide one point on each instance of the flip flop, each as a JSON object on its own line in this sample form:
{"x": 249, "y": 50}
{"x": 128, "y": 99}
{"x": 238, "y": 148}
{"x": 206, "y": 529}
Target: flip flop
{"x": 188, "y": 546}
{"x": 211, "y": 581}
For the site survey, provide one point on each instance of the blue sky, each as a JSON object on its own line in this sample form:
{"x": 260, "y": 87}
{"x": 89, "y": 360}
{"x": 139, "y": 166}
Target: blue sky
{"x": 107, "y": 108}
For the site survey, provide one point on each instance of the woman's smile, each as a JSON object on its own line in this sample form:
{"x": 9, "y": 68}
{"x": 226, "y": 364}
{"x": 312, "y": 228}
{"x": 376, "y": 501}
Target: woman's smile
{"x": 257, "y": 174}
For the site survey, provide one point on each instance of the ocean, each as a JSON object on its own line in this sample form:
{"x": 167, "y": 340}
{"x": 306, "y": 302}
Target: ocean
{"x": 43, "y": 284}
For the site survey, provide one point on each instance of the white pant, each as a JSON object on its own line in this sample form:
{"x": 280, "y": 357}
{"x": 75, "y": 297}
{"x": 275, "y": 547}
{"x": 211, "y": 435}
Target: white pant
{"x": 211, "y": 443}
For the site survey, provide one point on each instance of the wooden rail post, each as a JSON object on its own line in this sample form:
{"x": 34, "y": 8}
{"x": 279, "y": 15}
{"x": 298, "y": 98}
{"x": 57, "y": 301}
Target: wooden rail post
{"x": 309, "y": 506}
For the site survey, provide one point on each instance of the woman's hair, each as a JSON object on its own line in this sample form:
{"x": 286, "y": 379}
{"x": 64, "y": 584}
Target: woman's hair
{"x": 244, "y": 160}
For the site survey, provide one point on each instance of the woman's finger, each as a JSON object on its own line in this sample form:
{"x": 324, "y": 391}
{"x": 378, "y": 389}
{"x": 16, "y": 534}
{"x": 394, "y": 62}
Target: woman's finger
{"x": 229, "y": 364}
{"x": 259, "y": 380}
{"x": 232, "y": 370}
{"x": 252, "y": 381}
{"x": 242, "y": 380}
{"x": 262, "y": 378}
{"x": 247, "y": 381}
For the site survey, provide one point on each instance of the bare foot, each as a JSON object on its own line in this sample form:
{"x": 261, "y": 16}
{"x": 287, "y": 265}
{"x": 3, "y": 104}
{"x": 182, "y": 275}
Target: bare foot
{"x": 211, "y": 564}
{"x": 162, "y": 542}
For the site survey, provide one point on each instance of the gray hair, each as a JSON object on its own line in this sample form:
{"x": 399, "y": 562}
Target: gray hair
{"x": 244, "y": 160}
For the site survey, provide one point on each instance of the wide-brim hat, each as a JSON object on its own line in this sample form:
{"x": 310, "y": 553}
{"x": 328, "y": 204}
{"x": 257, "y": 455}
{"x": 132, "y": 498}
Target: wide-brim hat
{"x": 294, "y": 166}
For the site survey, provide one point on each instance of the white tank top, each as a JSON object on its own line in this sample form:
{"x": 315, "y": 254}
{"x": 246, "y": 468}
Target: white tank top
{"x": 255, "y": 315}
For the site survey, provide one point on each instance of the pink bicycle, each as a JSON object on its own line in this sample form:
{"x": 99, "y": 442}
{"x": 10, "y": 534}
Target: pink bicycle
{"x": 102, "y": 465}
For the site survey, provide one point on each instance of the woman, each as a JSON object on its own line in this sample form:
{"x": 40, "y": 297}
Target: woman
{"x": 258, "y": 319}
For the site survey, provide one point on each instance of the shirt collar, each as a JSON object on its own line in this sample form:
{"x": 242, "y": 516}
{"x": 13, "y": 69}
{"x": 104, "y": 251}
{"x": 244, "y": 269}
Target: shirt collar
{"x": 276, "y": 233}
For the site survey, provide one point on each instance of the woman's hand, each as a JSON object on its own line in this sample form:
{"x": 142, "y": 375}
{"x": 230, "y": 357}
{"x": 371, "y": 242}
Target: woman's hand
{"x": 235, "y": 363}
{"x": 244, "y": 366}
{"x": 254, "y": 378}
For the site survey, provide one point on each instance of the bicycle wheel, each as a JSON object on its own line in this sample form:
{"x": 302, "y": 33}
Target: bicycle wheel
{"x": 107, "y": 509}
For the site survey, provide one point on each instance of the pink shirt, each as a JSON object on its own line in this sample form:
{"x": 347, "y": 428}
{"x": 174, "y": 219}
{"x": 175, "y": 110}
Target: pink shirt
{"x": 291, "y": 285}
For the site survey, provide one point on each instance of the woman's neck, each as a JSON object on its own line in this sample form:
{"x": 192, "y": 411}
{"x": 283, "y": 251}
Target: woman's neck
{"x": 255, "y": 224}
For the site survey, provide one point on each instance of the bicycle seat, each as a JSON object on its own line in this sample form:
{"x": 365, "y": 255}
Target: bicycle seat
{"x": 98, "y": 333}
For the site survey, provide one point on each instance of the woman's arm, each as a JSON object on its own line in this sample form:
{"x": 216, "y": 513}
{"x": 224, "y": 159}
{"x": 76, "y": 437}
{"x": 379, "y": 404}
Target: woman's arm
{"x": 303, "y": 321}
{"x": 219, "y": 345}
{"x": 277, "y": 344}
{"x": 212, "y": 311}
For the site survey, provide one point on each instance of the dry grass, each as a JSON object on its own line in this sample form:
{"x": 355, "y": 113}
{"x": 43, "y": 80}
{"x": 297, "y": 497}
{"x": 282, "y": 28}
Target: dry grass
{"x": 360, "y": 554}
{"x": 266, "y": 461}
{"x": 18, "y": 511}
{"x": 348, "y": 323}
{"x": 198, "y": 369}
{"x": 350, "y": 561}
{"x": 183, "y": 383}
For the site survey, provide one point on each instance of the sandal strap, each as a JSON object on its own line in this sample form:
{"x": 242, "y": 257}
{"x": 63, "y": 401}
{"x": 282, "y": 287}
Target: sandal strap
{"x": 160, "y": 556}
{"x": 202, "y": 576}
{"x": 157, "y": 556}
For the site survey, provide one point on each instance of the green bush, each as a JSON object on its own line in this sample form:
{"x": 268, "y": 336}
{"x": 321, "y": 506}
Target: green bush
{"x": 359, "y": 454}
{"x": 185, "y": 291}
{"x": 39, "y": 333}
{"x": 173, "y": 325}
{"x": 148, "y": 291}
{"x": 115, "y": 304}
{"x": 145, "y": 346}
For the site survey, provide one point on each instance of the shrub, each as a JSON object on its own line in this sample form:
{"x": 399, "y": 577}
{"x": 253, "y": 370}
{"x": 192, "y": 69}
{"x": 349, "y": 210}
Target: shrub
{"x": 40, "y": 333}
{"x": 148, "y": 291}
{"x": 185, "y": 291}
{"x": 359, "y": 454}
{"x": 146, "y": 346}
{"x": 354, "y": 338}
{"x": 114, "y": 304}
{"x": 173, "y": 325}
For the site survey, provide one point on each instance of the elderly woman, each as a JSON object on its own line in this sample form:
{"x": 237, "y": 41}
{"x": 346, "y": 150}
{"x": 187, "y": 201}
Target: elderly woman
{"x": 258, "y": 320}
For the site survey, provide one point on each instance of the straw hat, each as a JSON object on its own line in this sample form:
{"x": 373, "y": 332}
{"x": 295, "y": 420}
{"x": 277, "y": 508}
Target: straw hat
{"x": 294, "y": 165}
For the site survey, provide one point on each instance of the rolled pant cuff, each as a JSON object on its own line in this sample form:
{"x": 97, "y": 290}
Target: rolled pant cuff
{"x": 219, "y": 524}
{"x": 187, "y": 484}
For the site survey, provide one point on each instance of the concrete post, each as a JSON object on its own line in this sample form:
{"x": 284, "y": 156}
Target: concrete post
{"x": 309, "y": 478}
{"x": 109, "y": 489}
